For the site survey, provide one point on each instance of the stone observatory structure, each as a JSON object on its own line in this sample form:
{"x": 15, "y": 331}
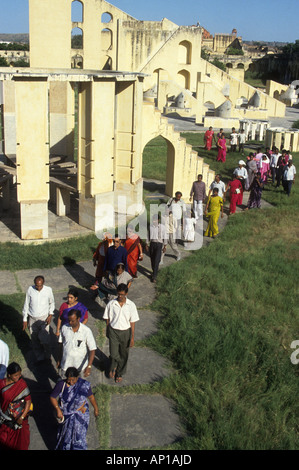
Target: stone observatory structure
{"x": 107, "y": 92}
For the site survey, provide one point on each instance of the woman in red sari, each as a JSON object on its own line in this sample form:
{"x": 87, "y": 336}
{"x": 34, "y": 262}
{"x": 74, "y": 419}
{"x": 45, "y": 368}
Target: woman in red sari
{"x": 208, "y": 138}
{"x": 235, "y": 192}
{"x": 134, "y": 250}
{"x": 221, "y": 145}
{"x": 14, "y": 428}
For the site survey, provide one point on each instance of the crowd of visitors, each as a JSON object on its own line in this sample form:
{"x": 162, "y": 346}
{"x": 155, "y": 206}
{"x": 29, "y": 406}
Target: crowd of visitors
{"x": 116, "y": 261}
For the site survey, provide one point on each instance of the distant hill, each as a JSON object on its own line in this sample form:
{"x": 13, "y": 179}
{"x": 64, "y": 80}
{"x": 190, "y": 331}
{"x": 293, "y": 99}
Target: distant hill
{"x": 15, "y": 37}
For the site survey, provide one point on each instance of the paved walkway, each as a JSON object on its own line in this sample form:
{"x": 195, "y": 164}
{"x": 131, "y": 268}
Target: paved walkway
{"x": 137, "y": 421}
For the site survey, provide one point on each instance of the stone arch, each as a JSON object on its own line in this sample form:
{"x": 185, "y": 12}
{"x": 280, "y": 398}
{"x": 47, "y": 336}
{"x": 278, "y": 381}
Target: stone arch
{"x": 108, "y": 63}
{"x": 210, "y": 108}
{"x": 229, "y": 65}
{"x": 106, "y": 17}
{"x": 183, "y": 78}
{"x": 77, "y": 38}
{"x": 170, "y": 163}
{"x": 184, "y": 52}
{"x": 77, "y": 11}
{"x": 107, "y": 39}
{"x": 240, "y": 66}
{"x": 77, "y": 62}
{"x": 276, "y": 94}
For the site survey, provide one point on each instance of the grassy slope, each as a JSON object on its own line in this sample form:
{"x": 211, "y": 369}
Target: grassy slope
{"x": 230, "y": 313}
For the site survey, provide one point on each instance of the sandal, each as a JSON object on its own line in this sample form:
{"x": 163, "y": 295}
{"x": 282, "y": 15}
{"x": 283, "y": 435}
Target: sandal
{"x": 118, "y": 379}
{"x": 112, "y": 374}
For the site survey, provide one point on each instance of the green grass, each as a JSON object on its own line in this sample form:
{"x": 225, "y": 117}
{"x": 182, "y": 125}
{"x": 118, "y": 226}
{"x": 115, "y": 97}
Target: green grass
{"x": 14, "y": 257}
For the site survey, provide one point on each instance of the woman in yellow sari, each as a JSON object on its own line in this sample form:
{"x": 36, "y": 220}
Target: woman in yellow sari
{"x": 213, "y": 208}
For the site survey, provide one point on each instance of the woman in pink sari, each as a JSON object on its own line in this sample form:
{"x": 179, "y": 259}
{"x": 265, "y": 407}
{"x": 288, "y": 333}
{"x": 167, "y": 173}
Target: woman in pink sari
{"x": 134, "y": 250}
{"x": 15, "y": 402}
{"x": 221, "y": 145}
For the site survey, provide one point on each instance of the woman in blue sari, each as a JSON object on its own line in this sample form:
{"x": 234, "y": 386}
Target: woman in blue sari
{"x": 70, "y": 400}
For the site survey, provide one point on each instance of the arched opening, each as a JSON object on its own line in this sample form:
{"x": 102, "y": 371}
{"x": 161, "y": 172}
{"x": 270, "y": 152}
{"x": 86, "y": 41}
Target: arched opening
{"x": 106, "y": 36}
{"x": 240, "y": 66}
{"x": 229, "y": 65}
{"x": 108, "y": 64}
{"x": 77, "y": 38}
{"x": 77, "y": 11}
{"x": 158, "y": 160}
{"x": 106, "y": 17}
{"x": 77, "y": 62}
{"x": 184, "y": 52}
{"x": 210, "y": 108}
{"x": 183, "y": 78}
{"x": 276, "y": 94}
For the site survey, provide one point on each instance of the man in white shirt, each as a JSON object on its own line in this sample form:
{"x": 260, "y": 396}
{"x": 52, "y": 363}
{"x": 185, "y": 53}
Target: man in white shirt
{"x": 273, "y": 163}
{"x": 178, "y": 208}
{"x": 217, "y": 183}
{"x": 77, "y": 345}
{"x": 4, "y": 358}
{"x": 233, "y": 140}
{"x": 37, "y": 315}
{"x": 241, "y": 172}
{"x": 288, "y": 177}
{"x": 120, "y": 315}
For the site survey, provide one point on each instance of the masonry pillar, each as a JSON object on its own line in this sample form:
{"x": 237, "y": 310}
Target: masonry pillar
{"x": 127, "y": 169}
{"x": 7, "y": 100}
{"x": 32, "y": 156}
{"x": 62, "y": 119}
{"x": 96, "y": 154}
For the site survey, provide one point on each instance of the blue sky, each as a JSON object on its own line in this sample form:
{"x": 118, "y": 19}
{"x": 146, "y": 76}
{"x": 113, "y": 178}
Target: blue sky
{"x": 260, "y": 20}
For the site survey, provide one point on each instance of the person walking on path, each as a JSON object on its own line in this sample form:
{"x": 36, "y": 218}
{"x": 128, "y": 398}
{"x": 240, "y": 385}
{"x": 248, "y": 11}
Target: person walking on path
{"x": 221, "y": 146}
{"x": 115, "y": 254}
{"x": 120, "y": 315}
{"x": 208, "y": 138}
{"x": 217, "y": 183}
{"x": 77, "y": 345}
{"x": 178, "y": 208}
{"x": 70, "y": 399}
{"x": 134, "y": 251}
{"x": 214, "y": 206}
{"x": 71, "y": 304}
{"x": 15, "y": 405}
{"x": 37, "y": 315}
{"x": 156, "y": 244}
{"x": 235, "y": 193}
{"x": 198, "y": 192}
{"x": 256, "y": 190}
{"x": 170, "y": 226}
{"x": 288, "y": 177}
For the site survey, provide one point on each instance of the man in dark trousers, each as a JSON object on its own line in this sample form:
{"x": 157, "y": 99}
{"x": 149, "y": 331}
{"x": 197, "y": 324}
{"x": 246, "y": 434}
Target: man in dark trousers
{"x": 120, "y": 315}
{"x": 157, "y": 244}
